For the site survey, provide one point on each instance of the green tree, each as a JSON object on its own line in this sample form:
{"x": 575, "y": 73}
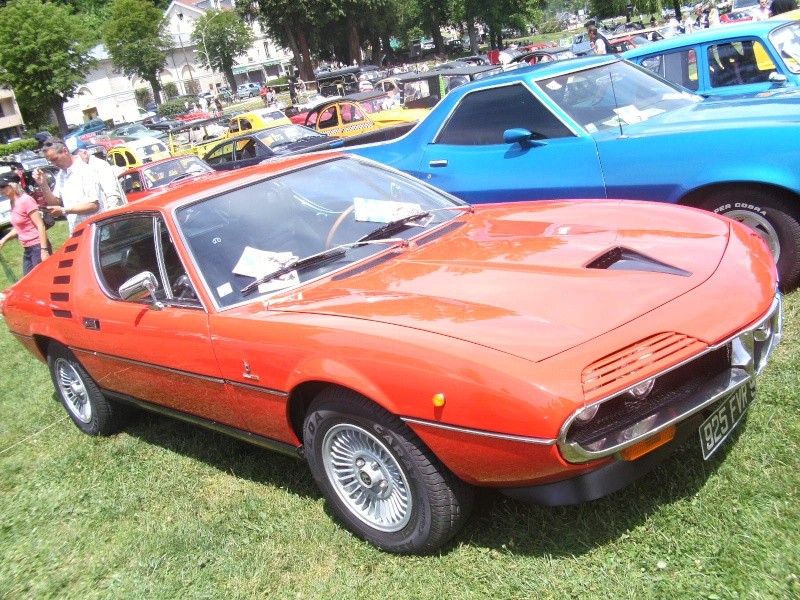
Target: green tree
{"x": 223, "y": 36}
{"x": 292, "y": 24}
{"x": 44, "y": 55}
{"x": 137, "y": 39}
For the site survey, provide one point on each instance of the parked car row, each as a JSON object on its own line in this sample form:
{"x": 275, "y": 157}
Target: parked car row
{"x": 518, "y": 293}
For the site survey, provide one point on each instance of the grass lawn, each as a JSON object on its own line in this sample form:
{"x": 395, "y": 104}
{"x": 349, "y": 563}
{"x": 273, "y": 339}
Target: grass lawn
{"x": 167, "y": 510}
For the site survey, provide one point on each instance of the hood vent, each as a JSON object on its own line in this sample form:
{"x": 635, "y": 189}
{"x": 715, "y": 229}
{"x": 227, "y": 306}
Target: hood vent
{"x": 625, "y": 259}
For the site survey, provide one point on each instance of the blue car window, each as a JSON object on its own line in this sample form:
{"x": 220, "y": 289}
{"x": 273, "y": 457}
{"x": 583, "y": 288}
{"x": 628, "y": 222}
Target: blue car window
{"x": 678, "y": 67}
{"x": 484, "y": 115}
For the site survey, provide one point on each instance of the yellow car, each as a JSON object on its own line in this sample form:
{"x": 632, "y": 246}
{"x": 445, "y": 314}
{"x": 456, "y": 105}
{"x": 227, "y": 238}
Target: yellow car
{"x": 135, "y": 153}
{"x": 198, "y": 137}
{"x": 358, "y": 113}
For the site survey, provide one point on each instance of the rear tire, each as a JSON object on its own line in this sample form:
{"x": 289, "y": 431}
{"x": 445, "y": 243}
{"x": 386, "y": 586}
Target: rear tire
{"x": 775, "y": 219}
{"x": 379, "y": 478}
{"x": 91, "y": 412}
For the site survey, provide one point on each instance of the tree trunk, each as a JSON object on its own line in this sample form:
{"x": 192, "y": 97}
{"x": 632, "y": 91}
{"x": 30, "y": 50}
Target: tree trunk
{"x": 438, "y": 39}
{"x": 353, "y": 43}
{"x": 228, "y": 72}
{"x": 156, "y": 87}
{"x": 306, "y": 68}
{"x": 57, "y": 106}
{"x": 473, "y": 35}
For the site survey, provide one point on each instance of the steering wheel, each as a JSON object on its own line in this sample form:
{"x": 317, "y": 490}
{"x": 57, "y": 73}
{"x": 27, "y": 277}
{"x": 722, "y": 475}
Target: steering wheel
{"x": 336, "y": 225}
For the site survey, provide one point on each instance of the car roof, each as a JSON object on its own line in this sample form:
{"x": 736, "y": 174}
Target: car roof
{"x": 711, "y": 34}
{"x": 155, "y": 162}
{"x": 137, "y": 143}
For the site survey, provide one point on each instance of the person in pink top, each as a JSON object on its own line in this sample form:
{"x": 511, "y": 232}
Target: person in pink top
{"x": 26, "y": 224}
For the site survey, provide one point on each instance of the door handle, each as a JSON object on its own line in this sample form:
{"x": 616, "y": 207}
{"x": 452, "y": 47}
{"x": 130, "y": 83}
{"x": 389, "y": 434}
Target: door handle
{"x": 438, "y": 163}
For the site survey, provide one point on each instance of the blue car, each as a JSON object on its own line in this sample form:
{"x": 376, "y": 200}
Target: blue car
{"x": 746, "y": 58}
{"x": 601, "y": 127}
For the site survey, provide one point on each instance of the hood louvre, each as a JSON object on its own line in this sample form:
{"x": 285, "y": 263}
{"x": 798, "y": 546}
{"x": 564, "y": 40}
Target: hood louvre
{"x": 625, "y": 259}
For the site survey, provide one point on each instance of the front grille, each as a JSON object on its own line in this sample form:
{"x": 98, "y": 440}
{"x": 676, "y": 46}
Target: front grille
{"x": 672, "y": 388}
{"x": 626, "y": 367}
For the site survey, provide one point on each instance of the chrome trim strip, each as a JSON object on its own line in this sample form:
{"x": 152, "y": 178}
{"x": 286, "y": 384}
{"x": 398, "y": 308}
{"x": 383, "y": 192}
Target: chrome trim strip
{"x": 746, "y": 363}
{"x": 246, "y": 436}
{"x": 482, "y": 433}
{"x": 256, "y": 388}
{"x": 149, "y": 365}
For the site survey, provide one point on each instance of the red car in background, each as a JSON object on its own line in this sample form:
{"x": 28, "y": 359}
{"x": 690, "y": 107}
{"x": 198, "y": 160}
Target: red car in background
{"x": 151, "y": 177}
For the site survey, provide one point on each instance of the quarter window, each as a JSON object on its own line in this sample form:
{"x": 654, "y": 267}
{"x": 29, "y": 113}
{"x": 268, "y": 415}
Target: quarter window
{"x": 678, "y": 67}
{"x": 484, "y": 115}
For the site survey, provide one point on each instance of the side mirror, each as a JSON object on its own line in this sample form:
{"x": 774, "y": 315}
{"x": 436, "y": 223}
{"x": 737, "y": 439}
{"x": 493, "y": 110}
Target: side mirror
{"x": 776, "y": 77}
{"x": 139, "y": 286}
{"x": 520, "y": 136}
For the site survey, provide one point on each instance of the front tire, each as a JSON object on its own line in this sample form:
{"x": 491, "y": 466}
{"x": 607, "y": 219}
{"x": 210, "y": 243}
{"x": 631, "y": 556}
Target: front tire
{"x": 91, "y": 412}
{"x": 379, "y": 478}
{"x": 775, "y": 219}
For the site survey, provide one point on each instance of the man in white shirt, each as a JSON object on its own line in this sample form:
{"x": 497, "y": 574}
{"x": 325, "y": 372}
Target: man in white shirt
{"x": 113, "y": 193}
{"x": 77, "y": 194}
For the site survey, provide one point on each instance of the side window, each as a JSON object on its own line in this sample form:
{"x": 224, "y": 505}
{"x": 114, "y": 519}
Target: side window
{"x": 234, "y": 125}
{"x": 129, "y": 246}
{"x": 678, "y": 67}
{"x": 351, "y": 113}
{"x": 246, "y": 125}
{"x": 132, "y": 183}
{"x": 222, "y": 154}
{"x": 738, "y": 63}
{"x": 483, "y": 116}
{"x": 126, "y": 247}
{"x": 328, "y": 118}
{"x": 119, "y": 160}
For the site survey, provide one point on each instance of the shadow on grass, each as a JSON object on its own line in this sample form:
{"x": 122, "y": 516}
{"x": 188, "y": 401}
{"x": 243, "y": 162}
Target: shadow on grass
{"x": 497, "y": 523}
{"x": 224, "y": 453}
{"x": 512, "y": 527}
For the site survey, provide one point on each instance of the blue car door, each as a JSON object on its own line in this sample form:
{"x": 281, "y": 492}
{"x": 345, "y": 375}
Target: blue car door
{"x": 470, "y": 150}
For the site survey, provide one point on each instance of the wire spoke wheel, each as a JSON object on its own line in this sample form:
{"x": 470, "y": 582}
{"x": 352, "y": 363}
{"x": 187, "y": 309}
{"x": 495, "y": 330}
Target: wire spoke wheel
{"x": 73, "y": 390}
{"x": 367, "y": 477}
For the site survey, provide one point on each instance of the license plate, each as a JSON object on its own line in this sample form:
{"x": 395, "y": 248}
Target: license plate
{"x": 721, "y": 423}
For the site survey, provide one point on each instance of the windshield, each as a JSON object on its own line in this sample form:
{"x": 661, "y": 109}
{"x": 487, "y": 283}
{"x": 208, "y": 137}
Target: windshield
{"x": 787, "y": 44}
{"x": 277, "y": 137}
{"x": 164, "y": 173}
{"x": 242, "y": 235}
{"x": 614, "y": 94}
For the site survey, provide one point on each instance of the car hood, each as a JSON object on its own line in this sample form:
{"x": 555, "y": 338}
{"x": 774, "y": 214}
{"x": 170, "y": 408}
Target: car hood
{"x": 737, "y": 112}
{"x": 514, "y": 277}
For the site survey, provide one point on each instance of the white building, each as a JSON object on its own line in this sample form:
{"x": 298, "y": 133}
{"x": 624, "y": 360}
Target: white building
{"x": 10, "y": 117}
{"x": 110, "y": 96}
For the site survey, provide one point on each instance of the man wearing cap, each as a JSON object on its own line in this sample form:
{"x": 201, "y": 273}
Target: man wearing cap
{"x": 77, "y": 194}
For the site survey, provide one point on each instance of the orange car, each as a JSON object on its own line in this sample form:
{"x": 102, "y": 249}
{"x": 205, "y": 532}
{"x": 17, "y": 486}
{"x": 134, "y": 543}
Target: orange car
{"x": 406, "y": 345}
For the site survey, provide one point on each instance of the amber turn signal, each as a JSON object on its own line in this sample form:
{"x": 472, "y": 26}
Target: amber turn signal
{"x": 438, "y": 400}
{"x": 649, "y": 444}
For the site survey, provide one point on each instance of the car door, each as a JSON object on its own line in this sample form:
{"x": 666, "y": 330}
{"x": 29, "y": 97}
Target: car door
{"x": 159, "y": 354}
{"x": 469, "y": 149}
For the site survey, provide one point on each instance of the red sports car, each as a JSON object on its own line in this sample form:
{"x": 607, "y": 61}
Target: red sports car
{"x": 155, "y": 176}
{"x": 406, "y": 345}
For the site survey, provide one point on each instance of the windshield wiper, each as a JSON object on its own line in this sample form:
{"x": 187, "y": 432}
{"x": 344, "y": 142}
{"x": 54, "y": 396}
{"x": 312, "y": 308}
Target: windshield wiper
{"x": 315, "y": 259}
{"x": 400, "y": 223}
